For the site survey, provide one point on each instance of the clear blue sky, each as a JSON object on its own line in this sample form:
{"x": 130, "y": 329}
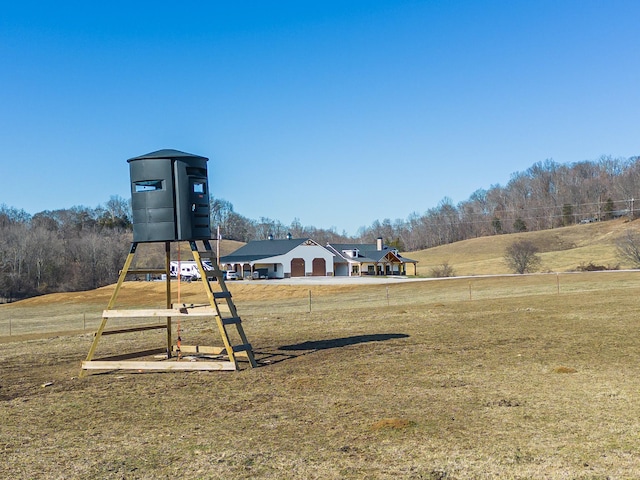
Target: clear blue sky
{"x": 337, "y": 113}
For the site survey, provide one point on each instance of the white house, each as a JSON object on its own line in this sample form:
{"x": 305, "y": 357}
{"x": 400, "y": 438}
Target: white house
{"x": 286, "y": 258}
{"x": 303, "y": 257}
{"x": 356, "y": 259}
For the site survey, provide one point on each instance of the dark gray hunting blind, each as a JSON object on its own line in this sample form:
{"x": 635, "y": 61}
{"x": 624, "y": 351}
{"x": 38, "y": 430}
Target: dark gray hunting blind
{"x": 169, "y": 197}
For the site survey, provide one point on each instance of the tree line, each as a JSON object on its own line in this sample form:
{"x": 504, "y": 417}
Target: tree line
{"x": 547, "y": 195}
{"x": 82, "y": 248}
{"x": 73, "y": 249}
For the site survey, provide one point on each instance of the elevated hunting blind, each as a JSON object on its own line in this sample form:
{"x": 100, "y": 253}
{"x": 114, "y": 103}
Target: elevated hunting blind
{"x": 169, "y": 197}
{"x": 170, "y": 203}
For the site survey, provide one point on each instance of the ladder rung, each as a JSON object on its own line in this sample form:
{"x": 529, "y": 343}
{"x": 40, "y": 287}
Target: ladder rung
{"x": 140, "y": 328}
{"x": 221, "y": 294}
{"x": 142, "y": 271}
{"x": 242, "y": 348}
{"x": 231, "y": 321}
{"x": 207, "y": 254}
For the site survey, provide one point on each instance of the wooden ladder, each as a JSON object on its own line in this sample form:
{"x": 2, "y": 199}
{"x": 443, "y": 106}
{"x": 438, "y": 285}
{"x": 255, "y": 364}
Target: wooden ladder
{"x": 221, "y": 308}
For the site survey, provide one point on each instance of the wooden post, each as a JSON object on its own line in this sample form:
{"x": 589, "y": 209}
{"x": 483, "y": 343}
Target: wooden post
{"x": 112, "y": 301}
{"x": 218, "y": 238}
{"x": 167, "y": 267}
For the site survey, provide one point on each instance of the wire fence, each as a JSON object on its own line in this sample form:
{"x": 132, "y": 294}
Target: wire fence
{"x": 48, "y": 320}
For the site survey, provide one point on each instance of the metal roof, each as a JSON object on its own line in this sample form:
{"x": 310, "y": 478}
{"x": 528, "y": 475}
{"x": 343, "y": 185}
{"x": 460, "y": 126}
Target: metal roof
{"x": 258, "y": 249}
{"x": 166, "y": 153}
{"x": 367, "y": 252}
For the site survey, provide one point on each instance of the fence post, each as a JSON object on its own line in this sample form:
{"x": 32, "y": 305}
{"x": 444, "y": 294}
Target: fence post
{"x": 309, "y": 300}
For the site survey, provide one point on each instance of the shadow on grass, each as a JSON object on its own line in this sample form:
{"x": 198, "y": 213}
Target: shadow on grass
{"x": 341, "y": 342}
{"x": 305, "y": 348}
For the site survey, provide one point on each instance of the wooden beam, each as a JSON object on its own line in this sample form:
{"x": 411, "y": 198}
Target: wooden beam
{"x": 133, "y": 355}
{"x": 142, "y": 271}
{"x": 205, "y": 350}
{"x": 168, "y": 304}
{"x": 140, "y": 328}
{"x": 160, "y": 312}
{"x": 156, "y": 365}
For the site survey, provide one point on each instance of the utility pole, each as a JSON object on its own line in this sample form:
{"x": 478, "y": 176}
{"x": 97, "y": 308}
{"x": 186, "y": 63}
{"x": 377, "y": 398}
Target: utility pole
{"x": 218, "y": 246}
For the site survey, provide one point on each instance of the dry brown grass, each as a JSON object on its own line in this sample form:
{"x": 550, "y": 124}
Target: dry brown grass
{"x": 505, "y": 377}
{"x": 393, "y": 423}
{"x": 428, "y": 384}
{"x": 562, "y": 249}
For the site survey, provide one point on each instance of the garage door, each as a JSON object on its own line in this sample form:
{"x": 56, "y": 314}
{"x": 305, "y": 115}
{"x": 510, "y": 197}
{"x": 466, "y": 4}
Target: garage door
{"x": 319, "y": 267}
{"x": 297, "y": 267}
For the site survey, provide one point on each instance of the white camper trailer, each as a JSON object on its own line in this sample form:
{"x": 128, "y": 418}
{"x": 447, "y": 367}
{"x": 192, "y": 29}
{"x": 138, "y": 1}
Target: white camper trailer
{"x": 188, "y": 269}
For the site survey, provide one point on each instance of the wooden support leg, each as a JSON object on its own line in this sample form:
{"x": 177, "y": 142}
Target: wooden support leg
{"x": 167, "y": 266}
{"x": 112, "y": 302}
{"x": 225, "y": 316}
{"x": 225, "y": 294}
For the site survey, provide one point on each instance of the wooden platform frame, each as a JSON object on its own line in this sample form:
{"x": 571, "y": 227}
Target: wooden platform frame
{"x": 221, "y": 308}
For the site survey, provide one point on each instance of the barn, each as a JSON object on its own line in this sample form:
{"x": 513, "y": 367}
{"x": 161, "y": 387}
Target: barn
{"x": 280, "y": 258}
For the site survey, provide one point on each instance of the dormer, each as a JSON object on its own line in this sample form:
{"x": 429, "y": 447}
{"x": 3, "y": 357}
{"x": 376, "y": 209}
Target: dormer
{"x": 352, "y": 253}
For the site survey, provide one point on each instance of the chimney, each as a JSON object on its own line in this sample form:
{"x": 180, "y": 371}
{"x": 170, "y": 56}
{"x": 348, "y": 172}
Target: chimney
{"x": 379, "y": 244}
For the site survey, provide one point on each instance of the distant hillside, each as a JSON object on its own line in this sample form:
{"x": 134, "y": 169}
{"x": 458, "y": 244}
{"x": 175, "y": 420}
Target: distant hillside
{"x": 562, "y": 249}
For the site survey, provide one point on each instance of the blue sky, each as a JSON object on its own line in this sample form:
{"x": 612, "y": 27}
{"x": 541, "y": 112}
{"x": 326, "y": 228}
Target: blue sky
{"x": 337, "y": 113}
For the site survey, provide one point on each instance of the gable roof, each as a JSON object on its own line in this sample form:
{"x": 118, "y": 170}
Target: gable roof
{"x": 259, "y": 249}
{"x": 367, "y": 252}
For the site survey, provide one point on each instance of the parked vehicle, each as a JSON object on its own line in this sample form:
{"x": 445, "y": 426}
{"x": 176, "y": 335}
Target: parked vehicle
{"x": 188, "y": 269}
{"x": 230, "y": 275}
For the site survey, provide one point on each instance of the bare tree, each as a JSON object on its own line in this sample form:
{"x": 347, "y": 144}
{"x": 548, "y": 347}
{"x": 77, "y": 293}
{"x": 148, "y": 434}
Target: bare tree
{"x": 443, "y": 270}
{"x": 628, "y": 247}
{"x": 522, "y": 256}
{"x": 45, "y": 258}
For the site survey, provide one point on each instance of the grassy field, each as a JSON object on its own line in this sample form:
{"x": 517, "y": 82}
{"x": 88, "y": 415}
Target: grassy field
{"x": 517, "y": 377}
{"x": 412, "y": 380}
{"x": 561, "y": 249}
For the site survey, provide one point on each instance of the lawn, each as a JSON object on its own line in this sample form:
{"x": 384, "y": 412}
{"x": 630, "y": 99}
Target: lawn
{"x": 509, "y": 377}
